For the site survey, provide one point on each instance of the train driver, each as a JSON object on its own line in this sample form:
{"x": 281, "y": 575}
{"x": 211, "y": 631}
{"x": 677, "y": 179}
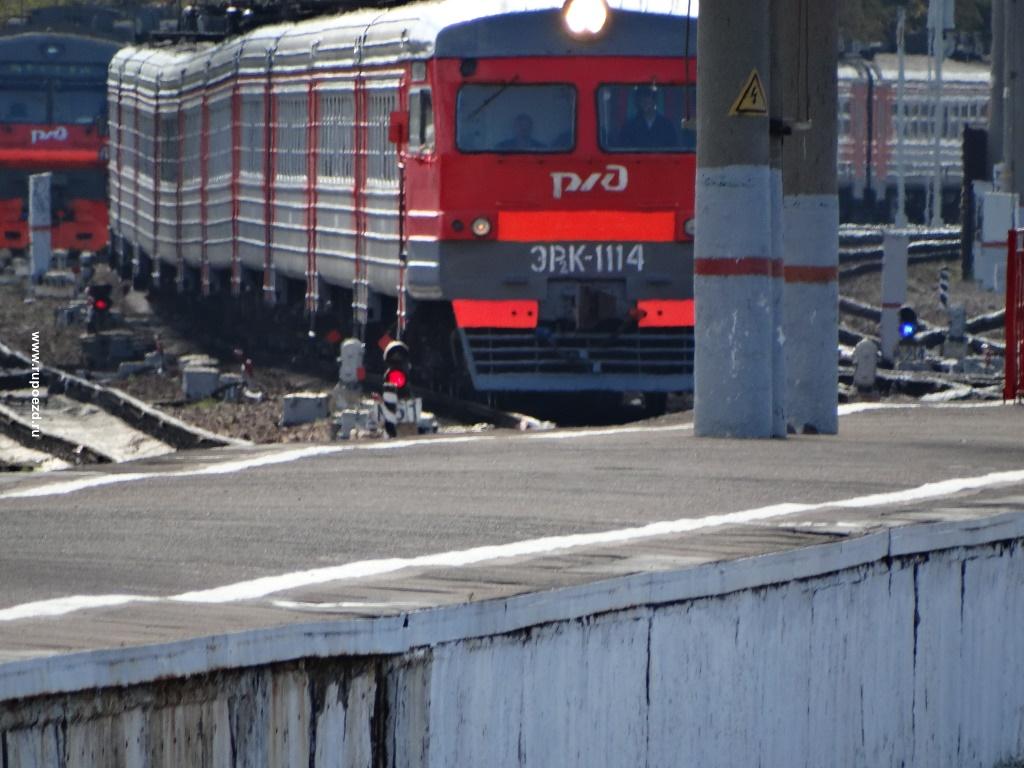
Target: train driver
{"x": 648, "y": 128}
{"x": 522, "y": 135}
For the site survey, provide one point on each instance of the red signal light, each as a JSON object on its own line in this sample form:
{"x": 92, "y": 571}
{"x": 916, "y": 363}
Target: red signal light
{"x": 396, "y": 378}
{"x": 102, "y": 305}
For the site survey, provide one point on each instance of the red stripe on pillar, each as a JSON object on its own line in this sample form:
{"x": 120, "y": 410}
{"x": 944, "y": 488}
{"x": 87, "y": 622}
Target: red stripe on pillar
{"x": 811, "y": 274}
{"x": 749, "y": 266}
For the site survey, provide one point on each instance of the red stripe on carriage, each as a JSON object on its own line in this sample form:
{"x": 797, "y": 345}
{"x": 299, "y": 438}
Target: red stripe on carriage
{"x": 533, "y": 226}
{"x": 471, "y": 313}
{"x": 673, "y": 313}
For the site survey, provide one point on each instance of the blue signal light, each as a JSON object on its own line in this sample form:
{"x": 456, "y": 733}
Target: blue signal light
{"x": 908, "y": 322}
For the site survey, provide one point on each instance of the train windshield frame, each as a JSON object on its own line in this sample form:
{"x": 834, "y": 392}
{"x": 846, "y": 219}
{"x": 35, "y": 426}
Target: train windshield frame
{"x": 51, "y": 99}
{"x": 516, "y": 118}
{"x": 647, "y": 118}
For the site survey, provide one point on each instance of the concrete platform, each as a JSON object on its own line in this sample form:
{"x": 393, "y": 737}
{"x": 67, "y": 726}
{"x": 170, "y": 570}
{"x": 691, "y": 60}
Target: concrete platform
{"x": 608, "y": 597}
{"x": 203, "y": 543}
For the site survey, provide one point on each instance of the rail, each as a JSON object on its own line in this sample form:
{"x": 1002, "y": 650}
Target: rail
{"x": 1014, "y": 382}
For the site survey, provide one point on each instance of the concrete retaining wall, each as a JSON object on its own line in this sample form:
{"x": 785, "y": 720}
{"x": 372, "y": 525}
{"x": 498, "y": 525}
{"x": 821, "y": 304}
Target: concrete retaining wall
{"x": 914, "y": 658}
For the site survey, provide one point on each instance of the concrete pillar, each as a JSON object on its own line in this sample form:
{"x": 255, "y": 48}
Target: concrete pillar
{"x": 781, "y": 58}
{"x": 894, "y": 291}
{"x": 40, "y": 223}
{"x": 810, "y": 212}
{"x": 995, "y": 109}
{"x": 733, "y": 255}
{"x": 1013, "y": 105}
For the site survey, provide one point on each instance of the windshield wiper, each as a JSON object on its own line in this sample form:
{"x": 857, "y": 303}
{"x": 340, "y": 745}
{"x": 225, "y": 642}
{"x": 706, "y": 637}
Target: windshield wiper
{"x": 492, "y": 97}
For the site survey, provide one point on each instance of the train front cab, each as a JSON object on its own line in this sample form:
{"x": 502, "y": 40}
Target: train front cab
{"x": 53, "y": 119}
{"x": 550, "y": 200}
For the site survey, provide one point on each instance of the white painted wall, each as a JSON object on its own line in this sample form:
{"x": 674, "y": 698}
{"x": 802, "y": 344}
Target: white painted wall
{"x": 916, "y": 660}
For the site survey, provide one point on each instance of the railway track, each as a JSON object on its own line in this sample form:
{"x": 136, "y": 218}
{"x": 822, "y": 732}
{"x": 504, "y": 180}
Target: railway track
{"x": 50, "y": 419}
{"x": 861, "y": 252}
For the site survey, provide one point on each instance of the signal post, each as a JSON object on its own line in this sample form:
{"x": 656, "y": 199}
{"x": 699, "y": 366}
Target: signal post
{"x": 733, "y": 260}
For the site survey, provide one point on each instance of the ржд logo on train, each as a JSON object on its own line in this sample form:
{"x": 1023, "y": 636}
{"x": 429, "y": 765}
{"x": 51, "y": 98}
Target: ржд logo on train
{"x": 614, "y": 179}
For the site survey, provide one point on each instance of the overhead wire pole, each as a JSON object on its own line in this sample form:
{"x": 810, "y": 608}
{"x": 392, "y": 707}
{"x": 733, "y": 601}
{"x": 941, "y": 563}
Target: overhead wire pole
{"x": 810, "y": 213}
{"x": 777, "y": 127}
{"x": 901, "y": 119}
{"x": 995, "y": 111}
{"x": 937, "y": 43}
{"x": 733, "y": 387}
{"x": 1013, "y": 104}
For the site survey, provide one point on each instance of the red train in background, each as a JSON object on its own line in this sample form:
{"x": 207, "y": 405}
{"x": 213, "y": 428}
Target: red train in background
{"x": 515, "y": 198}
{"x": 53, "y": 118}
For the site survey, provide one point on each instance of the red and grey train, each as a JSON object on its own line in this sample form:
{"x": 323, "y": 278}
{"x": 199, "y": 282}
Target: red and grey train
{"x": 53, "y": 118}
{"x": 521, "y": 196}
{"x": 869, "y": 124}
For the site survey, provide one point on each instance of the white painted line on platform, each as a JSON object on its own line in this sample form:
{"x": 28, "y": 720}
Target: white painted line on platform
{"x": 62, "y": 488}
{"x": 269, "y": 585}
{"x": 62, "y": 605}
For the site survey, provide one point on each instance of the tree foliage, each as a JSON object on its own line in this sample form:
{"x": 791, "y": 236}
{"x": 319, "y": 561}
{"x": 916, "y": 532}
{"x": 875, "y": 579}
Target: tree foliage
{"x": 871, "y": 21}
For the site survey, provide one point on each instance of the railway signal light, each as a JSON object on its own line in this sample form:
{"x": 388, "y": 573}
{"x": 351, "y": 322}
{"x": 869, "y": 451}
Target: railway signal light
{"x": 99, "y": 306}
{"x": 585, "y": 18}
{"x": 396, "y": 368}
{"x": 908, "y": 322}
{"x": 396, "y": 384}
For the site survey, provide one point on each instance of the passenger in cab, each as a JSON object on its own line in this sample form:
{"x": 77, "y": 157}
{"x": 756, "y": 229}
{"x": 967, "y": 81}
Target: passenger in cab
{"x": 648, "y": 128}
{"x": 522, "y": 135}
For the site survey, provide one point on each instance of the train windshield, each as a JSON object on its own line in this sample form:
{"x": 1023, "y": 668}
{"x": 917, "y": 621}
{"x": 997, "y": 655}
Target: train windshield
{"x": 514, "y": 118}
{"x": 79, "y": 106}
{"x": 641, "y": 117}
{"x": 22, "y": 105}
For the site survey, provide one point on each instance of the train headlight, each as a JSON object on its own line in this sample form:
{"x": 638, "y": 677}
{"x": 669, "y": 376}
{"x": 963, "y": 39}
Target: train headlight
{"x": 690, "y": 227}
{"x": 585, "y": 17}
{"x": 481, "y": 226}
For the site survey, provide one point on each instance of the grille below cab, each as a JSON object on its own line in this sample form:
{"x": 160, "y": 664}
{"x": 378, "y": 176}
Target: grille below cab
{"x": 658, "y": 360}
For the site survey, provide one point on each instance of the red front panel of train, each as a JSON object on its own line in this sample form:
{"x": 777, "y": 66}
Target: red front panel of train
{"x": 537, "y": 173}
{"x": 76, "y": 155}
{"x": 563, "y": 188}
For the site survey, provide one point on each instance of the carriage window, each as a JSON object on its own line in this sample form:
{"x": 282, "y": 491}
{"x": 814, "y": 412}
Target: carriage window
{"x": 421, "y": 121}
{"x": 641, "y": 117}
{"x": 506, "y": 117}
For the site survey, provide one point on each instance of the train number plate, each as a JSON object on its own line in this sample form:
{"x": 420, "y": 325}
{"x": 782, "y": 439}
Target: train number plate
{"x": 587, "y": 258}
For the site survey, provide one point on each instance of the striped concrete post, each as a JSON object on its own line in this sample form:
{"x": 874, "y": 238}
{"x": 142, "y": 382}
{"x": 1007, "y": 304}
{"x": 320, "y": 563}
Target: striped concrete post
{"x": 733, "y": 391}
{"x": 807, "y": 48}
{"x": 40, "y": 224}
{"x": 894, "y": 291}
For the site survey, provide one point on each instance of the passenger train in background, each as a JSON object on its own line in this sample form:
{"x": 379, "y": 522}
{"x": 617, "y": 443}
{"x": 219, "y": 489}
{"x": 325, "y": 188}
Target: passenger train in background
{"x": 473, "y": 175}
{"x": 53, "y": 117}
{"x": 868, "y": 132}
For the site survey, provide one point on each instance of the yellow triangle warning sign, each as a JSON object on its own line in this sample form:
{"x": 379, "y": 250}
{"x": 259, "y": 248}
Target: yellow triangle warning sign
{"x": 752, "y": 100}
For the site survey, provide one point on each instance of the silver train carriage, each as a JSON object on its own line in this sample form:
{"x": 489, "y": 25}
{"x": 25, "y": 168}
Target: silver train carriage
{"x": 869, "y": 132}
